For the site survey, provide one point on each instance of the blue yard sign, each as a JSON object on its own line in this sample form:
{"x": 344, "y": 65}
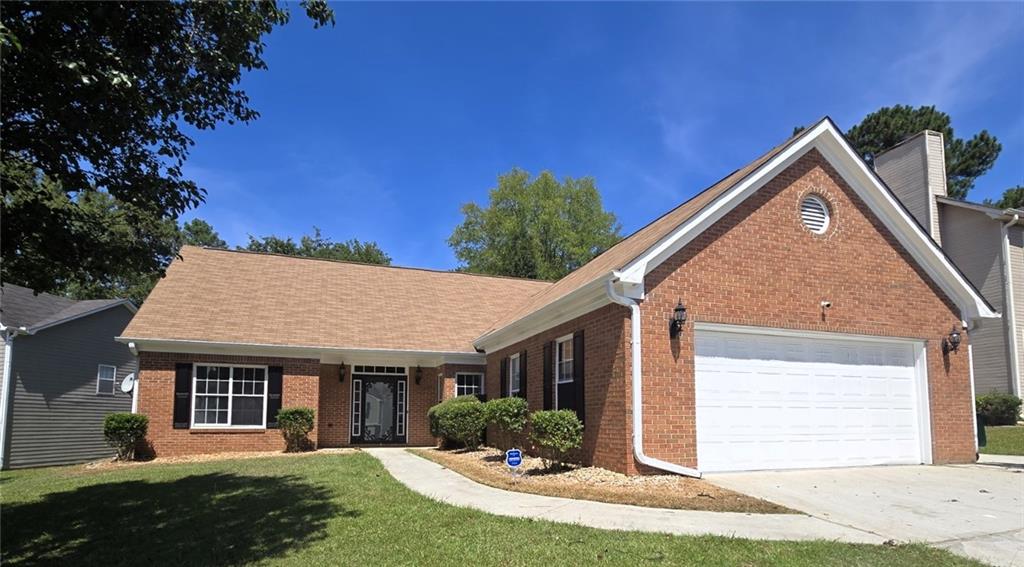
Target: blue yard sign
{"x": 513, "y": 458}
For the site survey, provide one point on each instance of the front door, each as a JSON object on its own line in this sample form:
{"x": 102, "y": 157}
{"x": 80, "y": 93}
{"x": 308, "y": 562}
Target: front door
{"x": 379, "y": 408}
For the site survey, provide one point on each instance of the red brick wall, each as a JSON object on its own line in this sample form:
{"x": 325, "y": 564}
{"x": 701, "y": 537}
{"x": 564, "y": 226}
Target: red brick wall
{"x": 606, "y": 334}
{"x": 760, "y": 266}
{"x": 335, "y": 406}
{"x": 156, "y": 400}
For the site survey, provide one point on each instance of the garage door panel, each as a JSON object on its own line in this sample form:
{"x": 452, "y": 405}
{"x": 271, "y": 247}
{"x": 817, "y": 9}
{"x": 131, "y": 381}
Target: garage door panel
{"x": 768, "y": 402}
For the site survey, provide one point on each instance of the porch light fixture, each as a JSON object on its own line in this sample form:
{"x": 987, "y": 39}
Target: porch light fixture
{"x": 952, "y": 342}
{"x": 419, "y": 374}
{"x": 341, "y": 372}
{"x": 675, "y": 324}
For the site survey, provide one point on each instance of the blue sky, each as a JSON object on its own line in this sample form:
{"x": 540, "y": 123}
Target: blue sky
{"x": 381, "y": 127}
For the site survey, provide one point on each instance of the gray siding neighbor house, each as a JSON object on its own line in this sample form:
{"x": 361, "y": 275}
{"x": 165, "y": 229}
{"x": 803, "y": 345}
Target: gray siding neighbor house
{"x": 986, "y": 243}
{"x": 62, "y": 373}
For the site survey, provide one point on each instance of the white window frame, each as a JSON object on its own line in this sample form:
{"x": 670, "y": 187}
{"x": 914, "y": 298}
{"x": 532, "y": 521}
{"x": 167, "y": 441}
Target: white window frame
{"x": 514, "y": 377}
{"x": 356, "y": 415}
{"x": 479, "y": 392}
{"x": 558, "y": 361}
{"x": 113, "y": 381}
{"x": 231, "y": 396}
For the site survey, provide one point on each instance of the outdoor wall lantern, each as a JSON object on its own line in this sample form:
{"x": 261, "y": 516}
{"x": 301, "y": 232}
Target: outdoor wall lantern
{"x": 675, "y": 324}
{"x": 952, "y": 342}
{"x": 341, "y": 372}
{"x": 419, "y": 374}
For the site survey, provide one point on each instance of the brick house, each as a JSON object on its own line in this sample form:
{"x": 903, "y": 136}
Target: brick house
{"x": 792, "y": 315}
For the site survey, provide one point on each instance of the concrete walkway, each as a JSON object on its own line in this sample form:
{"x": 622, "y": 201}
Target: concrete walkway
{"x": 436, "y": 482}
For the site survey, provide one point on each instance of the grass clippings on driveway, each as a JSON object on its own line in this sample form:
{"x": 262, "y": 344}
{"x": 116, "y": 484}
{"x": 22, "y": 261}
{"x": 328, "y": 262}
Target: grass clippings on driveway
{"x": 592, "y": 483}
{"x": 337, "y": 510}
{"x": 1004, "y": 440}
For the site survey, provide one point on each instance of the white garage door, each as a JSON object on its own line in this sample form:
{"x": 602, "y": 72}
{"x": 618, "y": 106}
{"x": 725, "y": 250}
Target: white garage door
{"x": 767, "y": 401}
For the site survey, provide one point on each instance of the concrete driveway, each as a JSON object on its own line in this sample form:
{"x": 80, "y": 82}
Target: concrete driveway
{"x": 972, "y": 510}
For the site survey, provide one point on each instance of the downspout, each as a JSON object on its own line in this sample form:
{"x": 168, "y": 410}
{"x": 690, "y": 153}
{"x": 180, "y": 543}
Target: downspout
{"x": 638, "y": 400}
{"x": 5, "y": 400}
{"x": 1011, "y": 319}
{"x": 135, "y": 390}
{"x": 974, "y": 396}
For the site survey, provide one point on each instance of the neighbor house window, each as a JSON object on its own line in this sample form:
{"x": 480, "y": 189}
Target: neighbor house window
{"x": 469, "y": 384}
{"x": 105, "y": 379}
{"x": 563, "y": 360}
{"x": 513, "y": 375}
{"x": 229, "y": 396}
{"x": 440, "y": 387}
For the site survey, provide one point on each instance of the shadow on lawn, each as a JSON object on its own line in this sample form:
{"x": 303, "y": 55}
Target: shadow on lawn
{"x": 210, "y": 519}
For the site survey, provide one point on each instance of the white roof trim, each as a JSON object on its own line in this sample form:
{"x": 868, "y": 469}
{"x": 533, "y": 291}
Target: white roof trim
{"x": 827, "y": 139}
{"x": 1000, "y": 214}
{"x": 326, "y": 355}
{"x": 124, "y": 302}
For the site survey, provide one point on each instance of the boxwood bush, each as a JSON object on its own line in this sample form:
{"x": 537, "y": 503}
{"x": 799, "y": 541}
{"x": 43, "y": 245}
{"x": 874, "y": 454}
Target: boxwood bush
{"x": 508, "y": 417}
{"x": 295, "y": 424}
{"x": 460, "y": 420}
{"x": 999, "y": 409}
{"x": 556, "y": 433}
{"x": 124, "y": 431}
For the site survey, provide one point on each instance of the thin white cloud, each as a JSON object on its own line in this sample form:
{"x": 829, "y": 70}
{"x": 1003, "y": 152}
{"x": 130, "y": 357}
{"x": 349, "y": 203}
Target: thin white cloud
{"x": 948, "y": 50}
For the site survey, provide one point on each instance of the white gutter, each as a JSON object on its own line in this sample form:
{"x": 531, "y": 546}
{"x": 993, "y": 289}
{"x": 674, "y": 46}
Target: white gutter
{"x": 1011, "y": 319}
{"x": 638, "y": 400}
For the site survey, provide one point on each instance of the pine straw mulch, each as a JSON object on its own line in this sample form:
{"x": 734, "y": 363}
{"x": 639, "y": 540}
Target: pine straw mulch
{"x": 111, "y": 464}
{"x": 487, "y": 466}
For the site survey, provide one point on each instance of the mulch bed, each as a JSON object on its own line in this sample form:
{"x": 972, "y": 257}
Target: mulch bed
{"x": 486, "y": 466}
{"x": 107, "y": 464}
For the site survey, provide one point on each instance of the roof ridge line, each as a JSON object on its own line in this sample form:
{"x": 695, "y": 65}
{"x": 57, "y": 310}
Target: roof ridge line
{"x": 369, "y": 265}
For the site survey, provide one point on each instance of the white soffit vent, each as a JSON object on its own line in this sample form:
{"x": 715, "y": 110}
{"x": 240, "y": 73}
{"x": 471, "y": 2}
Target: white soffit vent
{"x": 814, "y": 213}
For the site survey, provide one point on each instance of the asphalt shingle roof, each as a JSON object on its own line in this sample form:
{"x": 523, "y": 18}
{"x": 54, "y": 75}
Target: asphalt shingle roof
{"x": 21, "y": 307}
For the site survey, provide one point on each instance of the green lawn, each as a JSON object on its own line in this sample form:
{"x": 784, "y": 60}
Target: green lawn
{"x": 1004, "y": 440}
{"x": 334, "y": 509}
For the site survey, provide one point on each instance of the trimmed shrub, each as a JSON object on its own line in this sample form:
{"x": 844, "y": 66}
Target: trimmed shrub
{"x": 435, "y": 422}
{"x": 295, "y": 425}
{"x": 999, "y": 409}
{"x": 459, "y": 420}
{"x": 556, "y": 433}
{"x": 508, "y": 416}
{"x": 124, "y": 431}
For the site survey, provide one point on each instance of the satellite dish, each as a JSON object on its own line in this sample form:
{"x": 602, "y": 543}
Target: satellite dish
{"x": 128, "y": 384}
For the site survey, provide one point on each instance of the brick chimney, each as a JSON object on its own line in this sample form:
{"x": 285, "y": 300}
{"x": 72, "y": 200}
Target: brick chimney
{"x": 915, "y": 170}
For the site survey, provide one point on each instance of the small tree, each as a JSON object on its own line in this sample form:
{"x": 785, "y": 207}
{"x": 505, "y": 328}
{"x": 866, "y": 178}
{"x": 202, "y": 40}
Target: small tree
{"x": 295, "y": 424}
{"x": 556, "y": 433}
{"x": 123, "y": 432}
{"x": 508, "y": 416}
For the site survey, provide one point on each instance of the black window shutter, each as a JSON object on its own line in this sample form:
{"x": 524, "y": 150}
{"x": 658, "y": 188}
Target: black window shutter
{"x": 504, "y": 377}
{"x": 275, "y": 379}
{"x": 522, "y": 376}
{"x": 549, "y": 376}
{"x": 182, "y": 394}
{"x": 577, "y": 373}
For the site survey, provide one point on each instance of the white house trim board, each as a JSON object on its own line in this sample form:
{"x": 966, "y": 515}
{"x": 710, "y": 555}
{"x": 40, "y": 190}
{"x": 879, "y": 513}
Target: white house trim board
{"x": 326, "y": 355}
{"x": 826, "y": 138}
{"x": 1011, "y": 312}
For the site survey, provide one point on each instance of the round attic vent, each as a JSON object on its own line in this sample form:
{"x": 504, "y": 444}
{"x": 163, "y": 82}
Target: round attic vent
{"x": 814, "y": 213}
